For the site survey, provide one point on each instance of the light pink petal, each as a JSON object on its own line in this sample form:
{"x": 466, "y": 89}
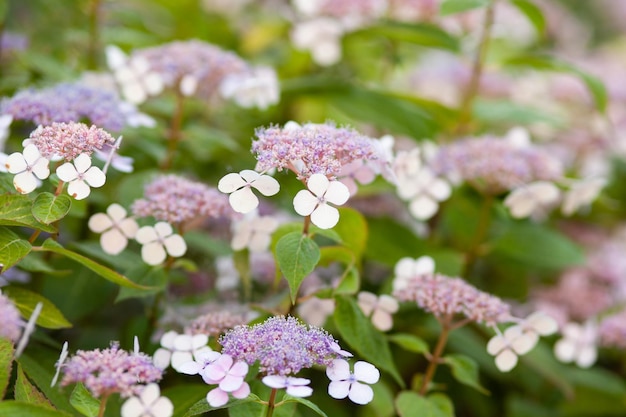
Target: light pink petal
{"x": 520, "y": 204}
{"x": 231, "y": 383}
{"x": 175, "y": 245}
{"x": 388, "y": 303}
{"x": 242, "y": 392}
{"x": 239, "y": 369}
{"x": 506, "y": 360}
{"x": 243, "y": 200}
{"x": 180, "y": 358}
{"x": 162, "y": 407}
{"x": 304, "y": 202}
{"x": 565, "y": 350}
{"x": 153, "y": 83}
{"x": 99, "y": 222}
{"x": 496, "y": 344}
{"x": 366, "y": 372}
{"x": 163, "y": 229}
{"x": 266, "y": 224}
{"x": 183, "y": 342}
{"x": 367, "y": 301}
{"x": 25, "y": 182}
{"x": 217, "y": 398}
{"x": 190, "y": 368}
{"x": 361, "y": 393}
{"x": 78, "y": 189}
{"x": 67, "y": 172}
{"x": 41, "y": 169}
{"x": 325, "y": 216}
{"x": 440, "y": 189}
{"x": 150, "y": 393}
{"x": 299, "y": 391}
{"x": 146, "y": 234}
{"x": 16, "y": 163}
{"x": 95, "y": 177}
{"x": 337, "y": 193}
{"x": 168, "y": 338}
{"x": 116, "y": 212}
{"x": 199, "y": 341}
{"x": 423, "y": 207}
{"x": 230, "y": 183}
{"x": 365, "y": 175}
{"x": 266, "y": 185}
{"x": 351, "y": 184}
{"x": 424, "y": 265}
{"x": 82, "y": 162}
{"x": 133, "y": 407}
{"x": 339, "y": 369}
{"x": 161, "y": 358}
{"x": 382, "y": 320}
{"x": 318, "y": 184}
{"x": 259, "y": 242}
{"x": 339, "y": 389}
{"x": 587, "y": 356}
{"x": 275, "y": 381}
{"x": 188, "y": 85}
{"x": 525, "y": 343}
{"x": 128, "y": 227}
{"x": 543, "y": 324}
{"x": 113, "y": 242}
{"x": 153, "y": 253}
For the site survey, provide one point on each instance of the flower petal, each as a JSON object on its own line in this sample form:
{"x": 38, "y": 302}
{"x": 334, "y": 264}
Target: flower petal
{"x": 275, "y": 381}
{"x": 243, "y": 200}
{"x": 146, "y": 234}
{"x": 382, "y": 320}
{"x": 153, "y": 253}
{"x": 366, "y": 372}
{"x": 25, "y": 182}
{"x": 150, "y": 393}
{"x": 78, "y": 189}
{"x": 388, "y": 303}
{"x": 67, "y": 172}
{"x": 175, "y": 245}
{"x": 360, "y": 393}
{"x": 133, "y": 407}
{"x": 337, "y": 193}
{"x": 82, "y": 162}
{"x": 128, "y": 227}
{"x": 162, "y": 407}
{"x": 300, "y": 391}
{"x": 423, "y": 207}
{"x": 318, "y": 184}
{"x": 163, "y": 229}
{"x": 41, "y": 168}
{"x": 367, "y": 302}
{"x": 266, "y": 185}
{"x": 161, "y": 358}
{"x": 230, "y": 183}
{"x": 180, "y": 358}
{"x": 217, "y": 398}
{"x": 339, "y": 389}
{"x": 325, "y": 216}
{"x": 113, "y": 242}
{"x": 231, "y": 383}
{"x": 16, "y": 163}
{"x": 339, "y": 369}
{"x": 99, "y": 222}
{"x": 506, "y": 360}
{"x": 95, "y": 177}
{"x": 305, "y": 202}
{"x": 242, "y": 392}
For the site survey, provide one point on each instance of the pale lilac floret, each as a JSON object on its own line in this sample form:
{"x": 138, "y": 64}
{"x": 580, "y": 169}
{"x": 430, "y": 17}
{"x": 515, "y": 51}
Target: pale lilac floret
{"x": 310, "y": 149}
{"x": 281, "y": 345}
{"x": 68, "y": 140}
{"x": 12, "y": 323}
{"x": 352, "y": 384}
{"x": 176, "y": 200}
{"x": 296, "y": 387}
{"x": 111, "y": 370}
{"x": 612, "y": 330}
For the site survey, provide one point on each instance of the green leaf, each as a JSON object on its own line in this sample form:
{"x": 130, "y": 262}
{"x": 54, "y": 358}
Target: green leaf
{"x": 411, "y": 404}
{"x": 449, "y": 7}
{"x": 409, "y": 342}
{"x": 506, "y": 112}
{"x": 393, "y": 241}
{"x": 41, "y": 373}
{"x": 106, "y": 273}
{"x": 417, "y": 33}
{"x": 359, "y": 333}
{"x": 82, "y": 400}
{"x": 48, "y": 208}
{"x": 538, "y": 247}
{"x": 443, "y": 403}
{"x": 184, "y": 396}
{"x": 6, "y": 363}
{"x": 297, "y": 256}
{"x": 154, "y": 277}
{"x": 547, "y": 63}
{"x": 20, "y": 409}
{"x": 203, "y": 406}
{"x": 305, "y": 402}
{"x": 27, "y": 392}
{"x": 533, "y": 13}
{"x": 12, "y": 248}
{"x": 26, "y": 301}
{"x": 465, "y": 370}
{"x": 352, "y": 228}
{"x": 16, "y": 210}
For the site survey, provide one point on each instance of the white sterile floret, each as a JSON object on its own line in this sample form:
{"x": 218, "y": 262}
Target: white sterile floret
{"x": 254, "y": 233}
{"x": 179, "y": 349}
{"x": 578, "y": 344}
{"x": 80, "y": 176}
{"x": 321, "y": 36}
{"x": 133, "y": 76}
{"x": 296, "y": 387}
{"x": 241, "y": 197}
{"x": 407, "y": 268}
{"x": 148, "y": 404}
{"x": 202, "y": 359}
{"x": 314, "y": 201}
{"x": 115, "y": 227}
{"x": 346, "y": 384}
{"x": 532, "y": 198}
{"x": 188, "y": 85}
{"x": 29, "y": 166}
{"x": 256, "y": 88}
{"x": 581, "y": 193}
{"x": 59, "y": 363}
{"x": 159, "y": 241}
{"x": 379, "y": 308}
{"x": 506, "y": 347}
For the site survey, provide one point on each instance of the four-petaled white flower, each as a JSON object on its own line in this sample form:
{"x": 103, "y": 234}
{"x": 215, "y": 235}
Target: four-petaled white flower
{"x": 159, "y": 241}
{"x": 378, "y": 308}
{"x": 424, "y": 190}
{"x": 80, "y": 176}
{"x": 179, "y": 349}
{"x": 241, "y": 197}
{"x": 581, "y": 193}
{"x": 296, "y": 387}
{"x": 133, "y": 75}
{"x": 407, "y": 268}
{"x": 256, "y": 88}
{"x": 322, "y": 37}
{"x": 29, "y": 166}
{"x": 230, "y": 377}
{"x": 578, "y": 344}
{"x": 314, "y": 201}
{"x": 346, "y": 384}
{"x": 115, "y": 227}
{"x": 254, "y": 233}
{"x": 148, "y": 404}
{"x": 531, "y": 198}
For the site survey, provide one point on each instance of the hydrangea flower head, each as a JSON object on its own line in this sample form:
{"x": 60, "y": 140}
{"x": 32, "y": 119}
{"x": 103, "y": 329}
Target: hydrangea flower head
{"x": 352, "y": 384}
{"x": 29, "y": 166}
{"x": 215, "y": 323}
{"x": 68, "y": 140}
{"x": 314, "y": 201}
{"x": 612, "y": 330}
{"x": 110, "y": 370}
{"x": 281, "y": 345}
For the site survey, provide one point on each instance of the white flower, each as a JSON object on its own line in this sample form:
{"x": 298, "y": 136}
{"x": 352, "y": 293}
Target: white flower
{"x": 241, "y": 197}
{"x": 257, "y": 88}
{"x": 314, "y": 202}
{"x": 581, "y": 193}
{"x": 133, "y": 76}
{"x": 29, "y": 166}
{"x": 148, "y": 404}
{"x": 321, "y": 36}
{"x": 254, "y": 233}
{"x": 315, "y": 311}
{"x": 227, "y": 274}
{"x": 188, "y": 85}
{"x": 346, "y": 384}
{"x": 158, "y": 242}
{"x": 81, "y": 176}
{"x": 179, "y": 349}
{"x": 407, "y": 268}
{"x": 296, "y": 387}
{"x": 378, "y": 308}
{"x": 60, "y": 363}
{"x": 578, "y": 344}
{"x": 531, "y": 198}
{"x": 115, "y": 227}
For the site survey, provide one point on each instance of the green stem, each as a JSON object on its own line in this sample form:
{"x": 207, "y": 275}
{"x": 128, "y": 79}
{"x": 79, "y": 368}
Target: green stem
{"x": 94, "y": 34}
{"x": 467, "y": 101}
{"x": 103, "y": 405}
{"x": 174, "y": 133}
{"x": 307, "y": 224}
{"x": 484, "y": 219}
{"x": 436, "y": 356}
{"x": 271, "y": 403}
